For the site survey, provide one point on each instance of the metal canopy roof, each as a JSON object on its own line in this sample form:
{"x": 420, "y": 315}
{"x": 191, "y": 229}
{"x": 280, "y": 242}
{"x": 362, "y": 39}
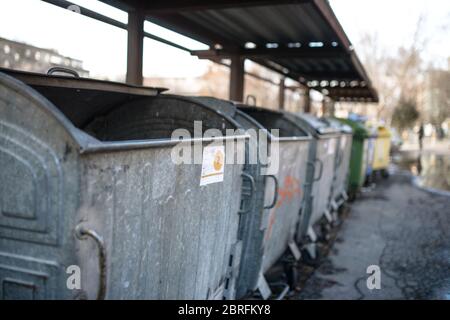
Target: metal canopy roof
{"x": 301, "y": 39}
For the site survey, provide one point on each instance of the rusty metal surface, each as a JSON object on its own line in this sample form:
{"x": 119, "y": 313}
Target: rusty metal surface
{"x": 283, "y": 218}
{"x": 165, "y": 237}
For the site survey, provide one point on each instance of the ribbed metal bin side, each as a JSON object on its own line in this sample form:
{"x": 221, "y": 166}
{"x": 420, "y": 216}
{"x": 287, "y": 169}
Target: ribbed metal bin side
{"x": 252, "y": 195}
{"x": 194, "y": 229}
{"x": 279, "y": 222}
{"x": 342, "y": 171}
{"x": 251, "y": 229}
{"x": 283, "y": 218}
{"x": 136, "y": 224}
{"x": 320, "y": 174}
{"x": 168, "y": 238}
{"x": 39, "y": 164}
{"x": 342, "y": 161}
{"x": 307, "y": 210}
{"x": 266, "y": 232}
{"x": 322, "y": 189}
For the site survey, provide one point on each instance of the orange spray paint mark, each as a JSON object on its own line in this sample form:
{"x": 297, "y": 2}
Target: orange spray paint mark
{"x": 286, "y": 193}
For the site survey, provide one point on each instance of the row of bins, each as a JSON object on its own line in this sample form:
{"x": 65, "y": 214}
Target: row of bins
{"x": 369, "y": 156}
{"x": 270, "y": 225}
{"x": 359, "y": 156}
{"x": 90, "y": 189}
{"x": 342, "y": 163}
{"x": 318, "y": 188}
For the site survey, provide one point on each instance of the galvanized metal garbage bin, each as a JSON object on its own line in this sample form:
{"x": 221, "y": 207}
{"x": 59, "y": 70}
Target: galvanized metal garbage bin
{"x": 110, "y": 205}
{"x": 322, "y": 158}
{"x": 342, "y": 163}
{"x": 279, "y": 220}
{"x": 270, "y": 212}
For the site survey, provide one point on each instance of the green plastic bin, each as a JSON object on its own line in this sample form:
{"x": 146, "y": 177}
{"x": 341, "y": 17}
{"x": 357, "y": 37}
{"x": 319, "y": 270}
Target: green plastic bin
{"x": 358, "y": 159}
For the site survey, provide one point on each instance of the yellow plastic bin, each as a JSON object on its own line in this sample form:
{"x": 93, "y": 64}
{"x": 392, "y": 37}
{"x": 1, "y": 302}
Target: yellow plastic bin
{"x": 382, "y": 150}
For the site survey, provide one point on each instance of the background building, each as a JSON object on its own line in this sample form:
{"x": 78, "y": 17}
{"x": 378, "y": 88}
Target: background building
{"x": 21, "y": 56}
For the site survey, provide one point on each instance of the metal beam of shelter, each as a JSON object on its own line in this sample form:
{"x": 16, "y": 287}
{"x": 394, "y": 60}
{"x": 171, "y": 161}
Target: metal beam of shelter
{"x": 299, "y": 39}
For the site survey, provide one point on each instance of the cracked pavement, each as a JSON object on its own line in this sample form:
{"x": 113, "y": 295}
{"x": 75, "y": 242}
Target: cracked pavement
{"x": 402, "y": 229}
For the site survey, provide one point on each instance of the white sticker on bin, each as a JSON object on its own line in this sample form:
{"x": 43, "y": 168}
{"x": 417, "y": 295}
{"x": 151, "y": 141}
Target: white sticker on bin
{"x": 213, "y": 165}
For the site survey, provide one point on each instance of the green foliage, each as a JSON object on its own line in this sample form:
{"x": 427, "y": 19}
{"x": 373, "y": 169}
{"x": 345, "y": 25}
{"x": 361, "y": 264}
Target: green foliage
{"x": 405, "y": 115}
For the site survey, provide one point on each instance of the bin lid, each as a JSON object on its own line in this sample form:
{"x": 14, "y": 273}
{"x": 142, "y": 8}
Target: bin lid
{"x": 359, "y": 129}
{"x": 40, "y": 79}
{"x": 343, "y": 127}
{"x": 383, "y": 132}
{"x": 223, "y": 107}
{"x": 320, "y": 126}
{"x": 271, "y": 119}
{"x": 81, "y": 98}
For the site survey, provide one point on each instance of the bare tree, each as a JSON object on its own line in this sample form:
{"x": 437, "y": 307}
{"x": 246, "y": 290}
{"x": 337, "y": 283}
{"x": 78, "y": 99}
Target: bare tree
{"x": 398, "y": 77}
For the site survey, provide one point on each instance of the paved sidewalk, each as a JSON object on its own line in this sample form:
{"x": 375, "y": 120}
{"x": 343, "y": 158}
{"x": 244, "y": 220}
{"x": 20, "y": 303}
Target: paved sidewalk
{"x": 404, "y": 230}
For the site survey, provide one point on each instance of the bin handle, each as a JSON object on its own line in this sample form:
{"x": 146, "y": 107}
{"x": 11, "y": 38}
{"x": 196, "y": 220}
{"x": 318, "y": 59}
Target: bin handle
{"x": 252, "y": 189}
{"x": 320, "y": 171}
{"x": 63, "y": 70}
{"x": 275, "y": 196}
{"x": 83, "y": 233}
{"x": 250, "y": 97}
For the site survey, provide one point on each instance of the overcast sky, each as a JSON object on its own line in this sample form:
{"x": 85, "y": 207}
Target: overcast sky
{"x": 103, "y": 47}
{"x": 395, "y": 21}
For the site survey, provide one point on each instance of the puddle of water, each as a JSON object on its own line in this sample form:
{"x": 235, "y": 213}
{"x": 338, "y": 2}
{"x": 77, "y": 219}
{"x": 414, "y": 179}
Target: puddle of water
{"x": 443, "y": 293}
{"x": 433, "y": 169}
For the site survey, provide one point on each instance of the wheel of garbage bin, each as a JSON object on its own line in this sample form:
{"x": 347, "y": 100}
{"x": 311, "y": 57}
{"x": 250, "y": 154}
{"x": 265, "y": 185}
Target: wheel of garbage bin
{"x": 290, "y": 269}
{"x": 385, "y": 173}
{"x": 351, "y": 196}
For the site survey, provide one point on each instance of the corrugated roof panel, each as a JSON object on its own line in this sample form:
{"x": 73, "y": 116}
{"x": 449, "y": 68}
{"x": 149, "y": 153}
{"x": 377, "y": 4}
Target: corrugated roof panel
{"x": 234, "y": 23}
